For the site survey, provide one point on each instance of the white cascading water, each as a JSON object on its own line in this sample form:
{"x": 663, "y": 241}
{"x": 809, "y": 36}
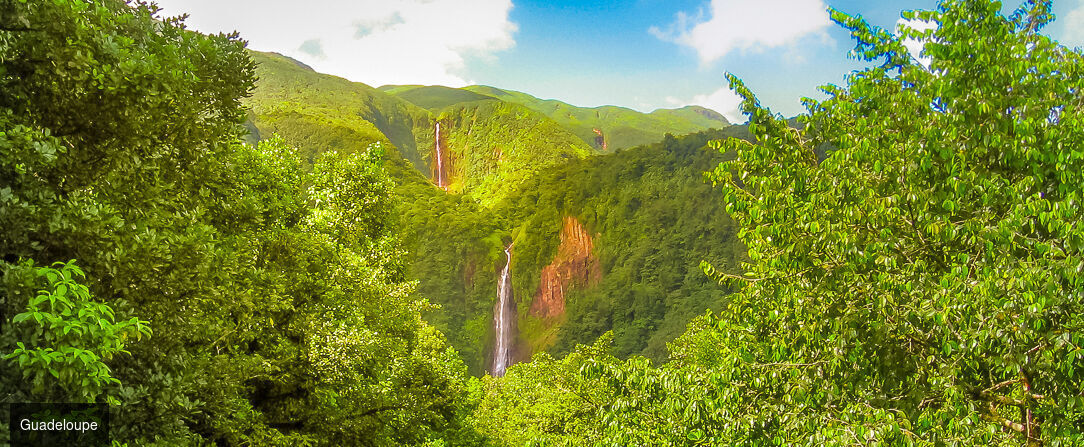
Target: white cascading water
{"x": 504, "y": 319}
{"x": 440, "y": 162}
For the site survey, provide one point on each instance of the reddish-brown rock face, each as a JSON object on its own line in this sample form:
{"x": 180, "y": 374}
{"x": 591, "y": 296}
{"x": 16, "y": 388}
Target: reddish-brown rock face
{"x": 574, "y": 265}
{"x": 600, "y": 139}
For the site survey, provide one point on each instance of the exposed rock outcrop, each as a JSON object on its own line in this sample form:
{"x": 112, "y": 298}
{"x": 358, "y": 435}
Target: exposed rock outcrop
{"x": 600, "y": 139}
{"x": 575, "y": 265}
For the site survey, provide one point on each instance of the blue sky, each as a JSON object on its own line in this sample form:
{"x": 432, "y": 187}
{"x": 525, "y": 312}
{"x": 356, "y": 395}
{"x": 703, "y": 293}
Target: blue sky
{"x": 642, "y": 54}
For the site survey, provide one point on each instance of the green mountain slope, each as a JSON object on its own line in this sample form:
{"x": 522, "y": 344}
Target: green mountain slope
{"x": 511, "y": 173}
{"x": 316, "y": 112}
{"x": 619, "y": 127}
{"x": 652, "y": 220}
{"x": 487, "y": 147}
{"x": 433, "y": 97}
{"x": 492, "y": 147}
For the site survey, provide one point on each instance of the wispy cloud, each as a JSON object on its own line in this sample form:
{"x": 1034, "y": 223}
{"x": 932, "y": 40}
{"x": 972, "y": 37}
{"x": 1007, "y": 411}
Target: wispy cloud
{"x": 747, "y": 26}
{"x": 369, "y": 25}
{"x": 373, "y": 41}
{"x": 1073, "y": 26}
{"x": 312, "y": 47}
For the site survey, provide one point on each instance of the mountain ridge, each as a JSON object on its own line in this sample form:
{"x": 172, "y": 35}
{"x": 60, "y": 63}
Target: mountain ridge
{"x": 605, "y": 128}
{"x": 500, "y": 170}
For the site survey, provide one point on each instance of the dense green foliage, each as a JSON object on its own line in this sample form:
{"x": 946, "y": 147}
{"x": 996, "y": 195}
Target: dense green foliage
{"x": 514, "y": 174}
{"x": 920, "y": 285}
{"x": 493, "y": 147}
{"x": 453, "y": 248}
{"x": 547, "y": 401}
{"x": 620, "y": 127}
{"x": 942, "y": 241}
{"x": 434, "y": 97}
{"x": 653, "y": 219}
{"x": 318, "y": 112}
{"x": 275, "y": 285}
{"x": 68, "y": 337}
{"x": 907, "y": 269}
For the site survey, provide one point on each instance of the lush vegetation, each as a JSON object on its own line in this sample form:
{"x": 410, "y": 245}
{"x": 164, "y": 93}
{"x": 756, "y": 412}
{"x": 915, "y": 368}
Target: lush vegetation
{"x": 653, "y": 220}
{"x": 453, "y": 246}
{"x": 434, "y": 97}
{"x": 318, "y": 112}
{"x": 900, "y": 266}
{"x": 69, "y": 336}
{"x": 276, "y": 292}
{"x": 920, "y": 285}
{"x": 514, "y": 174}
{"x": 620, "y": 127}
{"x": 494, "y": 147}
{"x": 617, "y": 127}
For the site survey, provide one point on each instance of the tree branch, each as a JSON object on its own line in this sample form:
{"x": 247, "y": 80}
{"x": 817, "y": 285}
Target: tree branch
{"x": 787, "y": 365}
{"x": 1001, "y": 385}
{"x": 1002, "y": 421}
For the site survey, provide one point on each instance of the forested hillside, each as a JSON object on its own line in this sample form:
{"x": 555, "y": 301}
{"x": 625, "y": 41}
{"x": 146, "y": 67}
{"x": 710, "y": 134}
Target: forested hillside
{"x": 611, "y": 127}
{"x": 225, "y": 247}
{"x": 507, "y": 174}
{"x": 491, "y": 148}
{"x": 210, "y": 290}
{"x": 318, "y": 112}
{"x": 649, "y": 219}
{"x": 918, "y": 285}
{"x": 642, "y": 209}
{"x": 605, "y": 128}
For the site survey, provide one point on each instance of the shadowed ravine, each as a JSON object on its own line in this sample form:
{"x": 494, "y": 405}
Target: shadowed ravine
{"x": 504, "y": 319}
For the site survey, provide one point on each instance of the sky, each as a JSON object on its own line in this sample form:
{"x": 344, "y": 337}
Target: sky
{"x": 641, "y": 54}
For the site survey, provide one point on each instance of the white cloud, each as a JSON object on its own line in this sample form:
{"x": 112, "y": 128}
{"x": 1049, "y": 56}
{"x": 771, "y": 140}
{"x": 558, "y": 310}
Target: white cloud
{"x": 747, "y": 26}
{"x": 372, "y": 41}
{"x": 723, "y": 100}
{"x": 1073, "y": 26}
{"x": 914, "y": 46}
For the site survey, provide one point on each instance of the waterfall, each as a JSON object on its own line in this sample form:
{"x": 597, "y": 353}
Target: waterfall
{"x": 440, "y": 162}
{"x": 504, "y": 318}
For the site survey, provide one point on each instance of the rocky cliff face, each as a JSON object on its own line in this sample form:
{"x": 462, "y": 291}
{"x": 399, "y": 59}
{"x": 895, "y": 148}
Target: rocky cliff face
{"x": 600, "y": 139}
{"x": 575, "y": 265}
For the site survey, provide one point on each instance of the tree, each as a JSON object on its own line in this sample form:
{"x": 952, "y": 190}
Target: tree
{"x": 115, "y": 129}
{"x": 922, "y": 284}
{"x": 67, "y": 338}
{"x": 915, "y": 257}
{"x": 354, "y": 362}
{"x": 120, "y": 146}
{"x": 546, "y": 402}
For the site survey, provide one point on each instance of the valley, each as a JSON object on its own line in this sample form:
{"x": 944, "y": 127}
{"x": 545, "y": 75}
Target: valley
{"x": 500, "y": 163}
{"x": 203, "y": 244}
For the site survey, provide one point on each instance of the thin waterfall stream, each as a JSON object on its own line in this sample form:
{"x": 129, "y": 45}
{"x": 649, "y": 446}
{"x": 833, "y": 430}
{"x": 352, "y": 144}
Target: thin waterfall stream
{"x": 441, "y": 182}
{"x": 504, "y": 319}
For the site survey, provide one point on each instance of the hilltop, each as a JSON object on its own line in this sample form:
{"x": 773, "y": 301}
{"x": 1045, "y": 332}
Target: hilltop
{"x": 604, "y": 128}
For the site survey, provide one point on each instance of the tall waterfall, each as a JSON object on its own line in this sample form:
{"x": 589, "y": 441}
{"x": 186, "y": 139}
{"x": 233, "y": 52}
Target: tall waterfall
{"x": 504, "y": 318}
{"x": 441, "y": 182}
